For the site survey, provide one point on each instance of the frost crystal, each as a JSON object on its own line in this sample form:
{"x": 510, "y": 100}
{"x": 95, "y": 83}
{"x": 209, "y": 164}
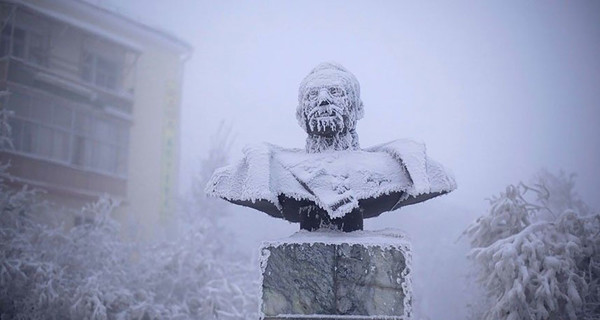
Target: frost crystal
{"x": 333, "y": 183}
{"x": 328, "y": 107}
{"x": 337, "y": 182}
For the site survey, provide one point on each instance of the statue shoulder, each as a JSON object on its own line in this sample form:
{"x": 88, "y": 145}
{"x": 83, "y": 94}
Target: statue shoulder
{"x": 428, "y": 176}
{"x": 412, "y": 154}
{"x": 250, "y": 179}
{"x": 247, "y": 179}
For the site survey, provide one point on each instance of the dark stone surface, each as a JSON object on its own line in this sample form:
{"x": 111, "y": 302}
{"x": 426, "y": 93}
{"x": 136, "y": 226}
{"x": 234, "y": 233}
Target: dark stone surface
{"x": 298, "y": 279}
{"x": 369, "y": 280}
{"x": 348, "y": 279}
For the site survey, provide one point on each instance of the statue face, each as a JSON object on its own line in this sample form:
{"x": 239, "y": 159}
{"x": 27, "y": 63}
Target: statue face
{"x": 326, "y": 109}
{"x": 329, "y": 101}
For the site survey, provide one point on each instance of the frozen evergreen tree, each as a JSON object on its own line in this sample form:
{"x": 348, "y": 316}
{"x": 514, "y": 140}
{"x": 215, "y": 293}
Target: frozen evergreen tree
{"x": 537, "y": 252}
{"x": 88, "y": 272}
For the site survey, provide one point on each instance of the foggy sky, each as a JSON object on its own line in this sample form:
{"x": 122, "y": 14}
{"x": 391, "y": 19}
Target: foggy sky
{"x": 496, "y": 90}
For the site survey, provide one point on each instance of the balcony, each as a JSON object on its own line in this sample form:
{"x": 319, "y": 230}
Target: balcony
{"x": 65, "y": 146}
{"x": 48, "y": 54}
{"x": 59, "y": 178}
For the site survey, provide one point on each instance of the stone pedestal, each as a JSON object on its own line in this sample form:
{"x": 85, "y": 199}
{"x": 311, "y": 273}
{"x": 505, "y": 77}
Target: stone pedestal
{"x": 336, "y": 275}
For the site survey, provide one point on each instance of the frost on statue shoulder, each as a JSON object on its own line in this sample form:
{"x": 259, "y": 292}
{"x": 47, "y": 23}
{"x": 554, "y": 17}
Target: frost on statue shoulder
{"x": 333, "y": 183}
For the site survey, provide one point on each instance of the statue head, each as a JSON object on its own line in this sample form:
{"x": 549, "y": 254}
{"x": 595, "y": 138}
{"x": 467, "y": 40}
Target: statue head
{"x": 329, "y": 106}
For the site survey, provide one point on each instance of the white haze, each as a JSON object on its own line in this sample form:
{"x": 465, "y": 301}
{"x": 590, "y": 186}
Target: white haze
{"x": 497, "y": 91}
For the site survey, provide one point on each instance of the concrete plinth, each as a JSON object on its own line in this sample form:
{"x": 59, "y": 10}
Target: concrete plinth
{"x": 336, "y": 275}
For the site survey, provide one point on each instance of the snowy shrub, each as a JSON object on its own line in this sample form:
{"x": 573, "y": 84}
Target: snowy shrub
{"x": 88, "y": 272}
{"x": 538, "y": 252}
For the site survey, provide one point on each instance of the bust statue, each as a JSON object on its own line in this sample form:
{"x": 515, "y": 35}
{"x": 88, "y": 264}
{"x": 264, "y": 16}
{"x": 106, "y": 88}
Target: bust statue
{"x": 333, "y": 183}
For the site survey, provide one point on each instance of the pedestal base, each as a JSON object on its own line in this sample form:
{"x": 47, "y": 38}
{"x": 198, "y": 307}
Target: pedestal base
{"x": 336, "y": 275}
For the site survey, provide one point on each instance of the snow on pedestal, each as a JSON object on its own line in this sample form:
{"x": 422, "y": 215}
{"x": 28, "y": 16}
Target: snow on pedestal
{"x": 336, "y": 275}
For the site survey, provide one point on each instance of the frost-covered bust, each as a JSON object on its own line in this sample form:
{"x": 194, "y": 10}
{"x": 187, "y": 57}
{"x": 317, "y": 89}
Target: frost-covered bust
{"x": 328, "y": 107}
{"x": 333, "y": 183}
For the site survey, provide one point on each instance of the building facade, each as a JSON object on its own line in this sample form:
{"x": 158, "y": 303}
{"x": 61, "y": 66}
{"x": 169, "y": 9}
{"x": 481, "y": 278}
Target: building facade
{"x": 94, "y": 99}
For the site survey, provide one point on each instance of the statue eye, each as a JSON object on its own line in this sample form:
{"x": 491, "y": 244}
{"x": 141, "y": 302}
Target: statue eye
{"x": 336, "y": 91}
{"x": 312, "y": 94}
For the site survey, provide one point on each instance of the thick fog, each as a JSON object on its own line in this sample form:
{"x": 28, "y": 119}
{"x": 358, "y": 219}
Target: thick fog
{"x": 497, "y": 91}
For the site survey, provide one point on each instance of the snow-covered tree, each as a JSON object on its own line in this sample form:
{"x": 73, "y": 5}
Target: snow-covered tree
{"x": 88, "y": 272}
{"x": 537, "y": 252}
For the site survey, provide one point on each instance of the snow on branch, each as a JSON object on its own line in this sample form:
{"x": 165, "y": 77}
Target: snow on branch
{"x": 89, "y": 272}
{"x": 537, "y": 252}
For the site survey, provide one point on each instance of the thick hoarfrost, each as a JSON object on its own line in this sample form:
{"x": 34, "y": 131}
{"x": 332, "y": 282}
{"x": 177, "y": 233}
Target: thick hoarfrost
{"x": 539, "y": 258}
{"x": 330, "y": 178}
{"x": 329, "y": 106}
{"x": 378, "y": 238}
{"x": 333, "y": 173}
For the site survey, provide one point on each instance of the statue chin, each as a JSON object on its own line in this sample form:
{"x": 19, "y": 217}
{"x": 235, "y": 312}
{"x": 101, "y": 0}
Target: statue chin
{"x": 325, "y": 126}
{"x": 324, "y": 131}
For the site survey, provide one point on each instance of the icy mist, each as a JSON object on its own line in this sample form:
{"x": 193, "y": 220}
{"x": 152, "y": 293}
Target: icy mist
{"x": 497, "y": 90}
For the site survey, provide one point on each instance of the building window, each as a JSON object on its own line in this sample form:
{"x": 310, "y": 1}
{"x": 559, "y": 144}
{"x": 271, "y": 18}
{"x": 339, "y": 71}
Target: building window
{"x": 100, "y": 70}
{"x": 28, "y": 45}
{"x": 67, "y": 134}
{"x": 5, "y": 41}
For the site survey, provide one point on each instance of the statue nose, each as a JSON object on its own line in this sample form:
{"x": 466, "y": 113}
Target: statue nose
{"x": 324, "y": 97}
